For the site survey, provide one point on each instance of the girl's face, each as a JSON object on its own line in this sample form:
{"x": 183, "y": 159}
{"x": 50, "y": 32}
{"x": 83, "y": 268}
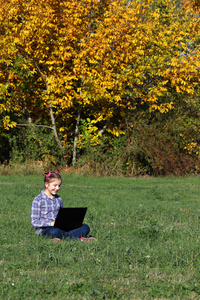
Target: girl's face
{"x": 52, "y": 187}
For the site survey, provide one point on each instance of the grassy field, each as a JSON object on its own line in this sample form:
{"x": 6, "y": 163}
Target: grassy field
{"x": 148, "y": 240}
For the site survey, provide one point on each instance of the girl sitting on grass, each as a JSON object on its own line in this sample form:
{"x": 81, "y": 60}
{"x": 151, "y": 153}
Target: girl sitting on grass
{"x": 45, "y": 208}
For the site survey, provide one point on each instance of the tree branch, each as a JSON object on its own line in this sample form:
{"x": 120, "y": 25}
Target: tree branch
{"x": 45, "y": 126}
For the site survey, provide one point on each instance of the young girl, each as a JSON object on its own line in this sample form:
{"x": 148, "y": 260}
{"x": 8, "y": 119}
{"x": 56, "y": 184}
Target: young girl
{"x": 45, "y": 208}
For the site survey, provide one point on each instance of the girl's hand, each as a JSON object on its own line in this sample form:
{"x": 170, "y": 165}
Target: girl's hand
{"x": 52, "y": 223}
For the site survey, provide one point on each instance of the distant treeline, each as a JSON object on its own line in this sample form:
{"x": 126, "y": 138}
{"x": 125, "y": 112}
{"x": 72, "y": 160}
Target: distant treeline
{"x": 110, "y": 87}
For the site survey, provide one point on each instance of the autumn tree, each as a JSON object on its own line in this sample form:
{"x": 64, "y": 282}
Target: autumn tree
{"x": 144, "y": 54}
{"x": 95, "y": 62}
{"x": 46, "y": 37}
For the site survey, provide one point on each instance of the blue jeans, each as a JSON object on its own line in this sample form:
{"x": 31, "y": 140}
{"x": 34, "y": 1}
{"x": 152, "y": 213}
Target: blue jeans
{"x": 54, "y": 232}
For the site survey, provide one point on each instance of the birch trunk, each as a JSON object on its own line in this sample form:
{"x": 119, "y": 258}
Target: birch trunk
{"x": 52, "y": 116}
{"x": 54, "y": 126}
{"x": 76, "y": 135}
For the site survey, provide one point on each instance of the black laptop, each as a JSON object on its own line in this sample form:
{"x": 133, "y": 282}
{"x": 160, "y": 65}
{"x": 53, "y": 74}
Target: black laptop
{"x": 70, "y": 218}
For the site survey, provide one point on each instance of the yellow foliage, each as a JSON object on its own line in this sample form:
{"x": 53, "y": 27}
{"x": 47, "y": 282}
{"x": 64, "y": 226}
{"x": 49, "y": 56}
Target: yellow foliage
{"x": 116, "y": 131}
{"x": 7, "y": 123}
{"x": 192, "y": 148}
{"x": 95, "y": 54}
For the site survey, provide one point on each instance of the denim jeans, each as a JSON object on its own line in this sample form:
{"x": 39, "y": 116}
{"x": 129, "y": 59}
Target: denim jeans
{"x": 72, "y": 234}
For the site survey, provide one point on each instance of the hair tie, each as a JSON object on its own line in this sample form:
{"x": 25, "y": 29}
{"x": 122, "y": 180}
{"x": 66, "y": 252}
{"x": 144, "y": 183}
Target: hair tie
{"x": 48, "y": 175}
{"x": 56, "y": 172}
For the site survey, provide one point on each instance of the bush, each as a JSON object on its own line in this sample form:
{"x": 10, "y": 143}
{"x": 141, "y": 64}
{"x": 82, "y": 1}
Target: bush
{"x": 148, "y": 149}
{"x": 106, "y": 159}
{"x": 161, "y": 154}
{"x": 32, "y": 143}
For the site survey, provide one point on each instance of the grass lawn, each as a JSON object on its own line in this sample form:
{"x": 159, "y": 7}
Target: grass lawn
{"x": 148, "y": 240}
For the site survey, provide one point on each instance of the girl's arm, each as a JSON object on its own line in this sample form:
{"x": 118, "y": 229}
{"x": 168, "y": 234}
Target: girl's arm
{"x": 36, "y": 220}
{"x": 61, "y": 203}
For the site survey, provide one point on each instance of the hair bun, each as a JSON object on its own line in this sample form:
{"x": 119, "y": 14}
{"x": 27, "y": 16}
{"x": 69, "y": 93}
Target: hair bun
{"x": 46, "y": 173}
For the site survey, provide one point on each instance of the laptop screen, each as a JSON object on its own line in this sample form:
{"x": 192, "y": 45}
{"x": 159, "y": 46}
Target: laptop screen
{"x": 70, "y": 218}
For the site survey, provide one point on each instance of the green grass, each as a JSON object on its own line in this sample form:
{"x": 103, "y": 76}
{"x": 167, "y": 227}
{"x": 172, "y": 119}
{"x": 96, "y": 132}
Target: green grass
{"x": 148, "y": 240}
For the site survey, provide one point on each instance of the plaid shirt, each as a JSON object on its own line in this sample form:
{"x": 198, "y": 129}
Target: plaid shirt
{"x": 44, "y": 210}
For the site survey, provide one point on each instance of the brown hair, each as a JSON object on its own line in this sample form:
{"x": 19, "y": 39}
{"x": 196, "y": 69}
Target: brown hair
{"x": 48, "y": 176}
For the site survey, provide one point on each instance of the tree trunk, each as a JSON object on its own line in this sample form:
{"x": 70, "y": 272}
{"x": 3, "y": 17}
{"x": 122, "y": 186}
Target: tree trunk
{"x": 104, "y": 127}
{"x": 76, "y": 135}
{"x": 54, "y": 126}
{"x": 52, "y": 116}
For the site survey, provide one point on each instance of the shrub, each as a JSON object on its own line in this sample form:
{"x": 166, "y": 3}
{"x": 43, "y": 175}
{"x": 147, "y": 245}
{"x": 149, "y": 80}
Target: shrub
{"x": 148, "y": 149}
{"x": 162, "y": 152}
{"x": 34, "y": 144}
